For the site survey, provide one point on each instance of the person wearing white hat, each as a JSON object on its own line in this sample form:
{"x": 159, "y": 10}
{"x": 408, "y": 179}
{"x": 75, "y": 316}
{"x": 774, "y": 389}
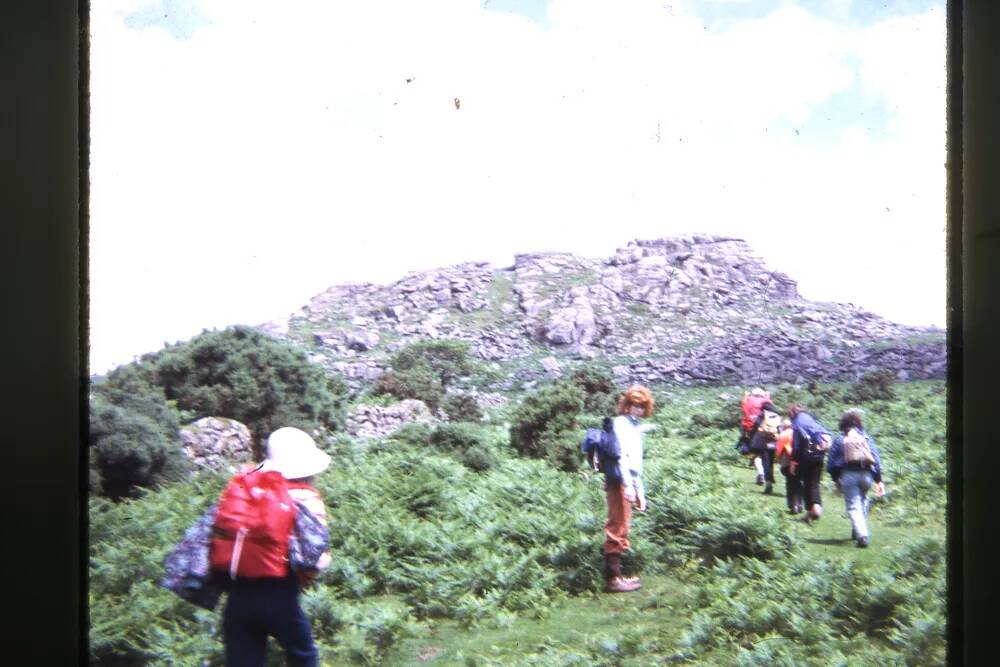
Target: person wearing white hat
{"x": 269, "y": 606}
{"x": 294, "y": 454}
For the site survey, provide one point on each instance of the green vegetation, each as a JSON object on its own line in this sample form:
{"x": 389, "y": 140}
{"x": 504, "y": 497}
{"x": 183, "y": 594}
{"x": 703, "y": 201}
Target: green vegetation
{"x": 238, "y": 373}
{"x": 439, "y": 562}
{"x": 462, "y": 408}
{"x": 599, "y": 389}
{"x": 419, "y": 381}
{"x": 545, "y": 424}
{"x": 425, "y": 369}
{"x": 134, "y": 442}
{"x": 243, "y": 374}
{"x": 876, "y": 385}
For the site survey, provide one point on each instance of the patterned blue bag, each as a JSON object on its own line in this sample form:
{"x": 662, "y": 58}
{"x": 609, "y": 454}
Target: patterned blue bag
{"x": 310, "y": 539}
{"x": 187, "y": 571}
{"x": 187, "y": 567}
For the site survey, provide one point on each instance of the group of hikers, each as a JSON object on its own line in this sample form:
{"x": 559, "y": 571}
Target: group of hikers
{"x": 799, "y": 443}
{"x": 266, "y": 537}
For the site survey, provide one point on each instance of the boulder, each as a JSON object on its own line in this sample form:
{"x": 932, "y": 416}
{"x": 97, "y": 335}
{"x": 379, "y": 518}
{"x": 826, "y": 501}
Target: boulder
{"x": 217, "y": 444}
{"x": 373, "y": 421}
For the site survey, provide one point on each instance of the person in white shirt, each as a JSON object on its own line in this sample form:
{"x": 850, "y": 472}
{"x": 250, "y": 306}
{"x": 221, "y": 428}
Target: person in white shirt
{"x": 634, "y": 404}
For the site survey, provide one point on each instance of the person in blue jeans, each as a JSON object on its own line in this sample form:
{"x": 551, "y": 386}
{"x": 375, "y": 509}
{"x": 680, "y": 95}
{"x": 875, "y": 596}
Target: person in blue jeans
{"x": 856, "y": 468}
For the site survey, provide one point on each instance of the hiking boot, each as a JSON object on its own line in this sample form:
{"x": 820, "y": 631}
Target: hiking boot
{"x": 623, "y": 584}
{"x": 760, "y": 479}
{"x": 862, "y": 542}
{"x": 767, "y": 488}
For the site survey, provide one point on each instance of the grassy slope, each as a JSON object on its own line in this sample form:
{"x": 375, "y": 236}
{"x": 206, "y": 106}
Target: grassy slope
{"x": 689, "y": 469}
{"x": 657, "y": 616}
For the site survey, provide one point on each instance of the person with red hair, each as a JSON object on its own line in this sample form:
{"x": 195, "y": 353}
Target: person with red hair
{"x": 633, "y": 405}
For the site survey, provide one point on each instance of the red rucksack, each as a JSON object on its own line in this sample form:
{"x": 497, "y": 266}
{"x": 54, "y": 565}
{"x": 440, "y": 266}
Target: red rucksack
{"x": 253, "y": 524}
{"x": 752, "y": 406}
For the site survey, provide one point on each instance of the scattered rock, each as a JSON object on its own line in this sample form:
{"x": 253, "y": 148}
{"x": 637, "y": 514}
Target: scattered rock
{"x": 684, "y": 310}
{"x": 373, "y": 421}
{"x": 217, "y": 443}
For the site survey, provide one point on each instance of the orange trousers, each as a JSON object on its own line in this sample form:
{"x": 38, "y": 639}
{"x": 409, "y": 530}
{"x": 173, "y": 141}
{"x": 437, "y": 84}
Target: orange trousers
{"x": 619, "y": 517}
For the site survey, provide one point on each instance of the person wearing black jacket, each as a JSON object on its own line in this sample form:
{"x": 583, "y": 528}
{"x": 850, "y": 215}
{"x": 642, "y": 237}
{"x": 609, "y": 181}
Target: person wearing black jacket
{"x": 810, "y": 442}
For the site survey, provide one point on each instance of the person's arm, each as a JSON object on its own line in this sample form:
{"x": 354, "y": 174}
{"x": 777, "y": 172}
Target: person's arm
{"x": 627, "y": 435}
{"x": 877, "y": 468}
{"x": 835, "y": 462}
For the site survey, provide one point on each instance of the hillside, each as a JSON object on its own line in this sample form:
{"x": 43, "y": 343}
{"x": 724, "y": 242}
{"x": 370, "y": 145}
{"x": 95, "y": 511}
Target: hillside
{"x": 688, "y": 310}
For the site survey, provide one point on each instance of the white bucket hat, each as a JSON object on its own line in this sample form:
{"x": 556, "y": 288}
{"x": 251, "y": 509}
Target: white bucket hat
{"x": 294, "y": 454}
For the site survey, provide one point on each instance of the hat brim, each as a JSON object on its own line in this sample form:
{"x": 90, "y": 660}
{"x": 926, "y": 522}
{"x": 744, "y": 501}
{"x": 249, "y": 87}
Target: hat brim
{"x": 304, "y": 466}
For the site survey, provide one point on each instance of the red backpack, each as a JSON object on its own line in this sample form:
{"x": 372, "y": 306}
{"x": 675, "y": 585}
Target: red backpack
{"x": 253, "y": 524}
{"x": 752, "y": 406}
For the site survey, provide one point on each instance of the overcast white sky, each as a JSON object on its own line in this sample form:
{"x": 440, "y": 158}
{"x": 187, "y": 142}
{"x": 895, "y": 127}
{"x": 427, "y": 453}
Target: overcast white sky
{"x": 247, "y": 155}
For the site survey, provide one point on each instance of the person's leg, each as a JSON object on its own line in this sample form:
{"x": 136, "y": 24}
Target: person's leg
{"x": 768, "y": 457}
{"x": 799, "y": 492}
{"x": 244, "y": 636}
{"x": 853, "y": 502}
{"x": 758, "y": 464}
{"x": 616, "y": 539}
{"x": 790, "y": 496}
{"x": 291, "y": 629}
{"x": 616, "y": 527}
{"x": 811, "y": 475}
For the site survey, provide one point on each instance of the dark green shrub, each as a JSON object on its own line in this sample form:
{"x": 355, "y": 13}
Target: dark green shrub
{"x": 416, "y": 434}
{"x": 479, "y": 460}
{"x": 462, "y": 408}
{"x": 545, "y": 425}
{"x": 418, "y": 381}
{"x": 465, "y": 441}
{"x": 600, "y": 391}
{"x": 243, "y": 374}
{"x": 133, "y": 447}
{"x": 724, "y": 416}
{"x": 879, "y": 385}
{"x": 449, "y": 360}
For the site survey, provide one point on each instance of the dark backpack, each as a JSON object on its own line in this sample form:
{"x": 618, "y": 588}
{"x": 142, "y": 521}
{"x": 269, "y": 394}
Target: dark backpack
{"x": 813, "y": 449}
{"x": 601, "y": 446}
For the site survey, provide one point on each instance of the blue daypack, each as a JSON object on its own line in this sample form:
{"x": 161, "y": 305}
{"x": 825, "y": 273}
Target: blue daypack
{"x": 602, "y": 444}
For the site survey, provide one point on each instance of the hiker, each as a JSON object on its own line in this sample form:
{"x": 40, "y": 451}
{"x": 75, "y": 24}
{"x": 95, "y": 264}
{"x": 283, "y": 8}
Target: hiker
{"x": 633, "y": 405}
{"x": 783, "y": 456}
{"x": 762, "y": 442}
{"x": 265, "y": 601}
{"x": 751, "y": 405}
{"x": 810, "y": 442}
{"x": 856, "y": 466}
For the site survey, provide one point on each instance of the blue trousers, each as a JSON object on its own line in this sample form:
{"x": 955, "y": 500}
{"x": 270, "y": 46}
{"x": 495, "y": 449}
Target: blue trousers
{"x": 260, "y": 608}
{"x": 855, "y": 485}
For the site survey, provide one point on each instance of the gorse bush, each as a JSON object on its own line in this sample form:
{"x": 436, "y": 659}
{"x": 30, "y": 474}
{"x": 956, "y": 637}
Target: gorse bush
{"x": 425, "y": 369}
{"x": 419, "y": 381}
{"x": 467, "y": 442}
{"x": 877, "y": 385}
{"x": 462, "y": 408}
{"x": 599, "y": 389}
{"x": 243, "y": 374}
{"x": 448, "y": 360}
{"x": 133, "y": 440}
{"x": 545, "y": 425}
